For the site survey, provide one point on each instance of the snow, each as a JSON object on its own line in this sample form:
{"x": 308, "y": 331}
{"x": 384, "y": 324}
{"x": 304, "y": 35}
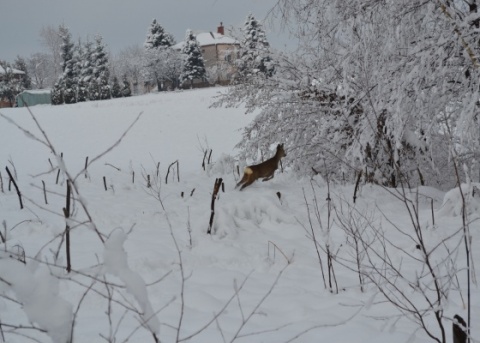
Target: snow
{"x": 209, "y": 38}
{"x": 115, "y": 262}
{"x": 255, "y": 279}
{"x": 12, "y": 70}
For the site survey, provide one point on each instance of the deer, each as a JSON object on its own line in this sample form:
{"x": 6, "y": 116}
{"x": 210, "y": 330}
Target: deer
{"x": 263, "y": 170}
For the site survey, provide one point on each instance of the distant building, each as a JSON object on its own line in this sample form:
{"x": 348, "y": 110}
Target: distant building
{"x": 17, "y": 75}
{"x": 219, "y": 52}
{"x": 34, "y": 97}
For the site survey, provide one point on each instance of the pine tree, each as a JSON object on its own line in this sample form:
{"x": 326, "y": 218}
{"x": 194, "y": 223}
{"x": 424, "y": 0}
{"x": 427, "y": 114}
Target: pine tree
{"x": 116, "y": 91}
{"x": 126, "y": 90}
{"x": 101, "y": 70}
{"x": 157, "y": 44}
{"x": 87, "y": 59}
{"x": 254, "y": 56}
{"x": 82, "y": 94}
{"x": 93, "y": 90}
{"x": 78, "y": 55}
{"x": 157, "y": 37}
{"x": 194, "y": 65}
{"x": 20, "y": 64}
{"x": 68, "y": 65}
{"x": 57, "y": 94}
{"x": 105, "y": 89}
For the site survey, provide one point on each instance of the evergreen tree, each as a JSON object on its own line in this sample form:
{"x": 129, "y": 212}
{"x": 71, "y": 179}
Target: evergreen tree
{"x": 78, "y": 55}
{"x": 194, "y": 65}
{"x": 10, "y": 86}
{"x": 101, "y": 70}
{"x": 126, "y": 90}
{"x": 68, "y": 66}
{"x": 116, "y": 91}
{"x": 87, "y": 60}
{"x": 57, "y": 94}
{"x": 105, "y": 90}
{"x": 254, "y": 55}
{"x": 100, "y": 60}
{"x": 157, "y": 46}
{"x": 93, "y": 89}
{"x": 157, "y": 37}
{"x": 20, "y": 64}
{"x": 82, "y": 94}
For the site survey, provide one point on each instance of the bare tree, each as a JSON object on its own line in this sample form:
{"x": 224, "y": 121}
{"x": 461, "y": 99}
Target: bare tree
{"x": 42, "y": 70}
{"x": 129, "y": 62}
{"x": 52, "y": 40}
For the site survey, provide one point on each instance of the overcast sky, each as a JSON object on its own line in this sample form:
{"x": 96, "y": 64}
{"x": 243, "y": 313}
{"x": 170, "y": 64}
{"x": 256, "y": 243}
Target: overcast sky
{"x": 121, "y": 23}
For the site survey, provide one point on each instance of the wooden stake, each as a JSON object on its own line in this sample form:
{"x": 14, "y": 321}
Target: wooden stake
{"x": 16, "y": 187}
{"x": 204, "y": 157}
{"x": 168, "y": 171}
{"x": 66, "y": 213}
{"x": 433, "y": 215}
{"x": 216, "y": 188}
{"x": 44, "y": 192}
{"x": 86, "y": 165}
{"x": 356, "y": 186}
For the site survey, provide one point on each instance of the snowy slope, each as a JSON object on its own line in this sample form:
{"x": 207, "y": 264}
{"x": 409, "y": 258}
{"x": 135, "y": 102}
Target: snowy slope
{"x": 255, "y": 279}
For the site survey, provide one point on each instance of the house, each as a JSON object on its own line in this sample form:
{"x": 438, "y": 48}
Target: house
{"x": 219, "y": 52}
{"x": 16, "y": 75}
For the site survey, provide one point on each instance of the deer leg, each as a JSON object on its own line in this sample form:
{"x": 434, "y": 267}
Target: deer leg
{"x": 248, "y": 183}
{"x": 244, "y": 178}
{"x": 268, "y": 178}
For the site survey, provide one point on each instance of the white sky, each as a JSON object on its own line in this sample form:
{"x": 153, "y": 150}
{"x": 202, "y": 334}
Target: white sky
{"x": 122, "y": 23}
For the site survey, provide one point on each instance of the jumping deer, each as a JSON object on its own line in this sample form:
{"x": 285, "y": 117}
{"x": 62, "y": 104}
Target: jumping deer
{"x": 263, "y": 170}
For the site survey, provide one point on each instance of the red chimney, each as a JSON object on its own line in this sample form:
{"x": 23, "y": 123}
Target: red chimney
{"x": 220, "y": 29}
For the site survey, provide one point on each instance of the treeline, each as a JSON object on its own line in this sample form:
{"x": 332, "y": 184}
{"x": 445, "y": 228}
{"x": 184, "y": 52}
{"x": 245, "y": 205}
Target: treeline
{"x": 85, "y": 73}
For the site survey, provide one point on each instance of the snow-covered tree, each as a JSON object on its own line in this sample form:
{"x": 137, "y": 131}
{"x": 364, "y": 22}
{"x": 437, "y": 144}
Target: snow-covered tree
{"x": 82, "y": 94}
{"x": 51, "y": 39}
{"x": 68, "y": 78}
{"x": 377, "y": 89}
{"x": 255, "y": 56}
{"x": 193, "y": 65}
{"x": 116, "y": 90}
{"x": 126, "y": 91}
{"x": 41, "y": 68}
{"x": 105, "y": 89}
{"x": 21, "y": 64}
{"x": 87, "y": 62}
{"x": 93, "y": 89}
{"x": 57, "y": 94}
{"x": 10, "y": 85}
{"x": 101, "y": 71}
{"x": 157, "y": 37}
{"x": 129, "y": 62}
{"x": 157, "y": 54}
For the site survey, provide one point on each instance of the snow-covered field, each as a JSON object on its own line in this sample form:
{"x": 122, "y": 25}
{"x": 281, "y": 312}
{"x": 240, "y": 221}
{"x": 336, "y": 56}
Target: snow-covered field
{"x": 256, "y": 278}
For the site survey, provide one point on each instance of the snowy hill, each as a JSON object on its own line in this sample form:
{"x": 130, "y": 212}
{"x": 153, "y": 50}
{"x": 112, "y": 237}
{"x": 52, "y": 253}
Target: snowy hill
{"x": 144, "y": 267}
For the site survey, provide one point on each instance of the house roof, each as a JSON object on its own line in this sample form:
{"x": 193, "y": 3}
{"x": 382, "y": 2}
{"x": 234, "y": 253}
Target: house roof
{"x": 209, "y": 38}
{"x": 12, "y": 70}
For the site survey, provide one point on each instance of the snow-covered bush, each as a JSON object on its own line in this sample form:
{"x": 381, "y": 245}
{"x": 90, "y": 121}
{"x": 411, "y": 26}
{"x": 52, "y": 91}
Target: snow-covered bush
{"x": 397, "y": 91}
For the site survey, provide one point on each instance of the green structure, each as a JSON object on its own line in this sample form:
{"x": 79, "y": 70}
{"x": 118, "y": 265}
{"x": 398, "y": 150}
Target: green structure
{"x": 34, "y": 97}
